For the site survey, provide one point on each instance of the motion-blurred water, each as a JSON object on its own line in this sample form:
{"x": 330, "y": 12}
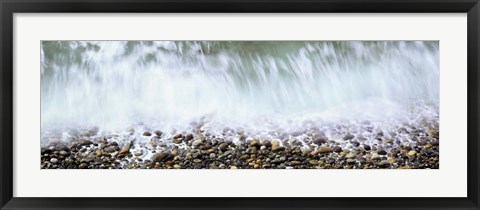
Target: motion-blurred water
{"x": 114, "y": 84}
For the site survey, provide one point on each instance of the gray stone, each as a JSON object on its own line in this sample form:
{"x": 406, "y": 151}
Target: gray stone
{"x": 384, "y": 163}
{"x": 196, "y": 143}
{"x": 83, "y": 166}
{"x": 348, "y": 137}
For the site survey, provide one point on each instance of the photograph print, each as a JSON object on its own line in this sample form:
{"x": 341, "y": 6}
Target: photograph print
{"x": 239, "y": 104}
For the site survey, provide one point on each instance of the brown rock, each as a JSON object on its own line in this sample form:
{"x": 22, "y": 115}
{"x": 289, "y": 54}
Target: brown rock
{"x": 337, "y": 149}
{"x": 83, "y": 166}
{"x": 325, "y": 150}
{"x": 276, "y": 146}
{"x": 161, "y": 156}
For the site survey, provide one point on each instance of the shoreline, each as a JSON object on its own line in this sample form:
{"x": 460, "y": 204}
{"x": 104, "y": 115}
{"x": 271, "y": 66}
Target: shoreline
{"x": 198, "y": 150}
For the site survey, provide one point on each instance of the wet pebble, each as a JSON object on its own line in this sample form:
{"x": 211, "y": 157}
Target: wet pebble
{"x": 367, "y": 147}
{"x": 348, "y": 137}
{"x": 337, "y": 149}
{"x": 382, "y": 152}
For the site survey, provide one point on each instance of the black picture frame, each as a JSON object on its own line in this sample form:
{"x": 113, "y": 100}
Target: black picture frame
{"x": 9, "y": 7}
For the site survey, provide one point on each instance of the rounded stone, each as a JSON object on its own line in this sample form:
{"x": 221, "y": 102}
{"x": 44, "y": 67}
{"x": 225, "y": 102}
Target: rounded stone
{"x": 384, "y": 163}
{"x": 325, "y": 150}
{"x": 411, "y": 153}
{"x": 348, "y": 137}
{"x": 355, "y": 143}
{"x": 350, "y": 155}
{"x": 196, "y": 143}
{"x": 83, "y": 166}
{"x": 350, "y": 161}
{"x": 382, "y": 152}
{"x": 337, "y": 149}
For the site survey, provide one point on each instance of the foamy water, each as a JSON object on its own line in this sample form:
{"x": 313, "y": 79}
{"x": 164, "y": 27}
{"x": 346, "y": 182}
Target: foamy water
{"x": 260, "y": 87}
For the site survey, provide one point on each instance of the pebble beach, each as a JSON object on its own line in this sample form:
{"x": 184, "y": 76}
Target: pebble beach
{"x": 312, "y": 148}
